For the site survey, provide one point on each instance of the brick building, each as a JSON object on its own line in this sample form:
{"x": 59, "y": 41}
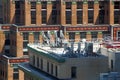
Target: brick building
{"x": 29, "y": 21}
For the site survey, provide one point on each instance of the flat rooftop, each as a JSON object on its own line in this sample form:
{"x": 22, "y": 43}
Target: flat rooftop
{"x": 66, "y": 50}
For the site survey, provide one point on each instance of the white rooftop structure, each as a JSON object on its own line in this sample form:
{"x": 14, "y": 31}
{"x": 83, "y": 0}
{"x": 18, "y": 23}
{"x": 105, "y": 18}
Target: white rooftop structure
{"x": 65, "y": 48}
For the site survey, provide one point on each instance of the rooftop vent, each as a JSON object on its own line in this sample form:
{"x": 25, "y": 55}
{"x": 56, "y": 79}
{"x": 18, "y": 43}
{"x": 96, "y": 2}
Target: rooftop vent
{"x": 89, "y": 48}
{"x": 61, "y": 34}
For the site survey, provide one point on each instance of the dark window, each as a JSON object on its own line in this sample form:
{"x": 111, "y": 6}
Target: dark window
{"x": 17, "y": 12}
{"x": 44, "y": 16}
{"x": 82, "y": 35}
{"x": 118, "y": 36}
{"x": 25, "y": 40}
{"x": 15, "y": 70}
{"x": 91, "y": 5}
{"x": 25, "y": 36}
{"x": 117, "y": 5}
{"x": 54, "y": 16}
{"x": 101, "y": 12}
{"x": 79, "y": 5}
{"x": 37, "y": 61}
{"x": 7, "y": 51}
{"x": 116, "y": 17}
{"x": 101, "y": 16}
{"x": 25, "y": 53}
{"x": 7, "y": 35}
{"x": 101, "y": 5}
{"x": 15, "y": 73}
{"x": 36, "y": 37}
{"x": 17, "y": 4}
{"x": 47, "y": 66}
{"x": 72, "y": 36}
{"x": 68, "y": 17}
{"x": 33, "y": 60}
{"x": 111, "y": 64}
{"x": 25, "y": 44}
{"x": 79, "y": 17}
{"x": 54, "y": 5}
{"x": 7, "y": 42}
{"x": 56, "y": 70}
{"x": 33, "y": 17}
{"x": 94, "y": 35}
{"x": 33, "y": 5}
{"x": 17, "y": 16}
{"x": 68, "y": 5}
{"x": 73, "y": 72}
{"x": 90, "y": 16}
{"x": 41, "y": 61}
{"x": 90, "y": 11}
{"x": 15, "y": 76}
{"x": 44, "y": 5}
{"x": 51, "y": 68}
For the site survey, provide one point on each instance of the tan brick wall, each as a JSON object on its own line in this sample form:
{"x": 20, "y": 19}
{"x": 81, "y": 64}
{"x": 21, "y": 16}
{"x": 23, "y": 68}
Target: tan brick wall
{"x": 67, "y": 36}
{"x": 100, "y": 36}
{"x": 88, "y": 36}
{"x": 63, "y": 16}
{"x": 2, "y": 41}
{"x": 38, "y": 14}
{"x": 10, "y": 72}
{"x": 16, "y": 44}
{"x": 85, "y": 14}
{"x": 12, "y": 12}
{"x": 96, "y": 13}
{"x": 21, "y": 75}
{"x": 19, "y": 45}
{"x": 77, "y": 37}
{"x": 27, "y": 7}
{"x": 49, "y": 12}
{"x": 74, "y": 14}
{"x": 111, "y": 13}
{"x": 40, "y": 38}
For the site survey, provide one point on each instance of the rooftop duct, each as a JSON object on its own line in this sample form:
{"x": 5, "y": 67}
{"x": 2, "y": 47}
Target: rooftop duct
{"x": 48, "y": 34}
{"x": 46, "y": 40}
{"x": 43, "y": 35}
{"x": 65, "y": 46}
{"x": 72, "y": 46}
{"x": 55, "y": 33}
{"x": 79, "y": 47}
{"x": 61, "y": 34}
{"x": 89, "y": 48}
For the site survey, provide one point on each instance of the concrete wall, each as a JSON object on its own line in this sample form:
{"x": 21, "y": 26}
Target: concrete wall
{"x": 113, "y": 55}
{"x": 88, "y": 68}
